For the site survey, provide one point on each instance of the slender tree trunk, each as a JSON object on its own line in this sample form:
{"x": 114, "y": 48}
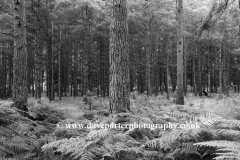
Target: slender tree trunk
{"x": 227, "y": 74}
{"x": 194, "y": 74}
{"x": 86, "y": 55}
{"x": 59, "y": 66}
{"x": 38, "y": 70}
{"x": 167, "y": 72}
{"x": 220, "y": 72}
{"x": 180, "y": 94}
{"x": 208, "y": 68}
{"x": 213, "y": 74}
{"x": 101, "y": 85}
{"x": 185, "y": 66}
{"x": 5, "y": 74}
{"x": 119, "y": 59}
{"x": 37, "y": 65}
{"x": 10, "y": 73}
{"x": 148, "y": 62}
{"x": 224, "y": 68}
{"x": 53, "y": 64}
{"x": 49, "y": 61}
{"x": 20, "y": 91}
{"x": 1, "y": 73}
{"x": 75, "y": 73}
{"x": 199, "y": 84}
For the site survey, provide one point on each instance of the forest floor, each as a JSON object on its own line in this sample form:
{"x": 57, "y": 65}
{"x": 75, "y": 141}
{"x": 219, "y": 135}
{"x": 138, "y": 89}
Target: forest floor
{"x": 74, "y": 110}
{"x": 43, "y": 124}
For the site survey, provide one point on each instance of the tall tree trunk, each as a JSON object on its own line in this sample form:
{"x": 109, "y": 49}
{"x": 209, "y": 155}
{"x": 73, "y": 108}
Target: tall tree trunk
{"x": 101, "y": 79}
{"x": 49, "y": 57}
{"x": 119, "y": 59}
{"x": 38, "y": 70}
{"x": 224, "y": 69}
{"x": 4, "y": 74}
{"x": 199, "y": 81}
{"x": 75, "y": 83}
{"x": 180, "y": 94}
{"x": 214, "y": 82}
{"x": 167, "y": 71}
{"x": 86, "y": 55}
{"x": 20, "y": 91}
{"x": 185, "y": 66}
{"x": 194, "y": 74}
{"x": 162, "y": 80}
{"x": 59, "y": 66}
{"x": 53, "y": 64}
{"x": 10, "y": 68}
{"x": 227, "y": 74}
{"x": 220, "y": 72}
{"x": 208, "y": 68}
{"x": 148, "y": 62}
{"x": 37, "y": 66}
{"x": 1, "y": 73}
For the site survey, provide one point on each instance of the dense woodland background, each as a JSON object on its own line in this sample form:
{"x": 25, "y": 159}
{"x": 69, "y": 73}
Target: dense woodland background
{"x": 148, "y": 61}
{"x": 68, "y": 47}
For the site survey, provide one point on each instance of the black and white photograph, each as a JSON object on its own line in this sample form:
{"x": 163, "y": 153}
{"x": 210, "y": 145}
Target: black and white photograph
{"x": 119, "y": 79}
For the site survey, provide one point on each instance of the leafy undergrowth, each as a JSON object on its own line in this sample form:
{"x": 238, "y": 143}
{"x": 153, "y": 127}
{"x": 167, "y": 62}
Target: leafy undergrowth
{"x": 214, "y": 135}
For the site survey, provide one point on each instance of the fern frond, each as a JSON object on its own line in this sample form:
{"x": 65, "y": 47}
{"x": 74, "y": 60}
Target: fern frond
{"x": 95, "y": 134}
{"x": 226, "y": 158}
{"x": 179, "y": 114}
{"x": 219, "y": 144}
{"x": 76, "y": 147}
{"x": 124, "y": 114}
{"x": 213, "y": 121}
{"x": 189, "y": 145}
{"x": 88, "y": 156}
{"x": 233, "y": 123}
{"x": 186, "y": 149}
{"x": 150, "y": 154}
{"x": 17, "y": 144}
{"x": 227, "y": 153}
{"x": 154, "y": 144}
{"x": 4, "y": 151}
{"x": 228, "y": 133}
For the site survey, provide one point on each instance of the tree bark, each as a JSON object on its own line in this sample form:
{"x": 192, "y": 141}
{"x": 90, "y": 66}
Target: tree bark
{"x": 194, "y": 74}
{"x": 38, "y": 71}
{"x": 59, "y": 66}
{"x": 167, "y": 72}
{"x": 38, "y": 56}
{"x": 220, "y": 72}
{"x": 148, "y": 62}
{"x": 180, "y": 93}
{"x": 53, "y": 63}
{"x": 199, "y": 81}
{"x": 185, "y": 66}
{"x": 87, "y": 53}
{"x": 20, "y": 91}
{"x": 119, "y": 59}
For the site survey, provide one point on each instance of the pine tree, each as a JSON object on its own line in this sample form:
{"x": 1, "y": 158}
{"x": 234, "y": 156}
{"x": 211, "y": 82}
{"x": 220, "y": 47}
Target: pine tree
{"x": 20, "y": 53}
{"x": 119, "y": 58}
{"x": 180, "y": 94}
